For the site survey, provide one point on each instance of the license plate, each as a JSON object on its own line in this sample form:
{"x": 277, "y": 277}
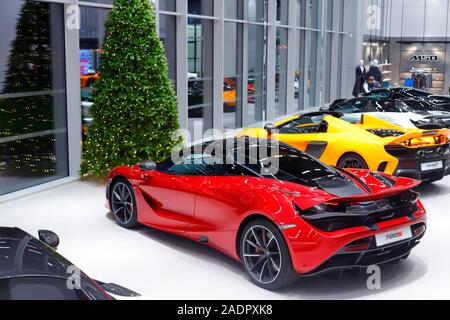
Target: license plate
{"x": 383, "y": 239}
{"x": 432, "y": 165}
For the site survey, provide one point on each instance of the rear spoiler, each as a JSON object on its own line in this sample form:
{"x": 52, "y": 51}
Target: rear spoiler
{"x": 440, "y": 136}
{"x": 402, "y": 185}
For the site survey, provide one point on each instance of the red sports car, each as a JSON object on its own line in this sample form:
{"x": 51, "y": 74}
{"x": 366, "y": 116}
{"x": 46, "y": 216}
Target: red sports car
{"x": 303, "y": 218}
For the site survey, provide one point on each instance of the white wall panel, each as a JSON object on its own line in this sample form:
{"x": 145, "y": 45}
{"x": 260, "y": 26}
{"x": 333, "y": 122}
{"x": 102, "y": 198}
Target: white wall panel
{"x": 436, "y": 18}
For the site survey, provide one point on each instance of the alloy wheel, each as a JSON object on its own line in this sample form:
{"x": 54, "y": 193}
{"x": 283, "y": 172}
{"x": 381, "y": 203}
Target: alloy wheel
{"x": 352, "y": 163}
{"x": 261, "y": 253}
{"x": 122, "y": 203}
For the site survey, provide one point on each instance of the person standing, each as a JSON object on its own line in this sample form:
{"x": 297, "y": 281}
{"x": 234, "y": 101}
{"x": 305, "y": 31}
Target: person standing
{"x": 375, "y": 72}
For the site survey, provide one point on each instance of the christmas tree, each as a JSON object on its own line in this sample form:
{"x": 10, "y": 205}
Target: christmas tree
{"x": 135, "y": 107}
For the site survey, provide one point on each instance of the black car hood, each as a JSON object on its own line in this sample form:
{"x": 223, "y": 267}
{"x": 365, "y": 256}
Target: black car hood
{"x": 23, "y": 255}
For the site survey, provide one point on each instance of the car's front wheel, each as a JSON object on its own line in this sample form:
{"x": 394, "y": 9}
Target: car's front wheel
{"x": 266, "y": 256}
{"x": 123, "y": 204}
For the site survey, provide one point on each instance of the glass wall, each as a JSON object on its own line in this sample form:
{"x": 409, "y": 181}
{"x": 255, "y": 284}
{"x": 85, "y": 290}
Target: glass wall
{"x": 281, "y": 71}
{"x": 200, "y": 58}
{"x": 307, "y": 61}
{"x": 168, "y": 36}
{"x": 299, "y": 75}
{"x": 314, "y": 66}
{"x": 256, "y": 73}
{"x": 33, "y": 126}
{"x": 168, "y": 5}
{"x": 232, "y": 82}
{"x": 92, "y": 34}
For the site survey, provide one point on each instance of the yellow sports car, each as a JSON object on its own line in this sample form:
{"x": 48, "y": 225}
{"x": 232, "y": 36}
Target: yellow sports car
{"x": 370, "y": 143}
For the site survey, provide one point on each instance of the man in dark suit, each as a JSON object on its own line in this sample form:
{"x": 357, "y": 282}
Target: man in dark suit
{"x": 375, "y": 72}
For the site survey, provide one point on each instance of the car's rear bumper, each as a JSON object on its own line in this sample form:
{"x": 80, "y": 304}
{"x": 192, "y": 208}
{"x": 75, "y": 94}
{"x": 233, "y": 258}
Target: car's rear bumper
{"x": 314, "y": 251}
{"x": 411, "y": 168}
{"x": 351, "y": 257}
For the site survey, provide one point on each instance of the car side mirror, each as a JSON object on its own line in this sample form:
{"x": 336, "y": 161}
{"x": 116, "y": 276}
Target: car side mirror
{"x": 49, "y": 238}
{"x": 270, "y": 128}
{"x": 147, "y": 165}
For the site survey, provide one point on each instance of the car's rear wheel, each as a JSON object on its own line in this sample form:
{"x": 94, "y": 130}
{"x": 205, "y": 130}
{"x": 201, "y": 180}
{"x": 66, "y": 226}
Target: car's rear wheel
{"x": 123, "y": 204}
{"x": 266, "y": 256}
{"x": 352, "y": 161}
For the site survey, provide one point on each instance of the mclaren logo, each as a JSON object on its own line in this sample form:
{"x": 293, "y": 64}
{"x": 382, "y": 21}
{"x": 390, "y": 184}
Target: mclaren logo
{"x": 424, "y": 58}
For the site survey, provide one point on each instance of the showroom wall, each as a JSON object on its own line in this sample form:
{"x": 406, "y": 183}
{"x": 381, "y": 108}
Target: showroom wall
{"x": 419, "y": 28}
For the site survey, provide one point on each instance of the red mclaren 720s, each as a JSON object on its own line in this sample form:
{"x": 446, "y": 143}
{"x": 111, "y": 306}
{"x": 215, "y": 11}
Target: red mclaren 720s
{"x": 277, "y": 210}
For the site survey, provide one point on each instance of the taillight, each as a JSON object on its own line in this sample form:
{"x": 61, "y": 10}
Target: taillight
{"x": 410, "y": 197}
{"x": 336, "y": 216}
{"x": 418, "y": 231}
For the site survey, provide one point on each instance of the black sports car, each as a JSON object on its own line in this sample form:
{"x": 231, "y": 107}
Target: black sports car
{"x": 382, "y": 103}
{"x": 31, "y": 270}
{"x": 430, "y": 100}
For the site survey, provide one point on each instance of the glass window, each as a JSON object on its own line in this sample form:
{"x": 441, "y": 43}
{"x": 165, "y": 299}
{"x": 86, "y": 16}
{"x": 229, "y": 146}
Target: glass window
{"x": 339, "y": 92}
{"x": 168, "y": 5}
{"x": 352, "y": 106}
{"x": 282, "y": 12}
{"x": 235, "y": 170}
{"x": 234, "y": 9}
{"x": 168, "y": 36}
{"x": 281, "y": 71}
{"x": 314, "y": 68}
{"x": 92, "y": 34}
{"x": 232, "y": 82}
{"x": 329, "y": 13}
{"x": 257, "y": 10}
{"x": 201, "y": 7}
{"x": 328, "y": 60}
{"x": 33, "y": 129}
{"x": 102, "y": 1}
{"x": 301, "y": 13}
{"x": 191, "y": 165}
{"x": 256, "y": 65}
{"x": 315, "y": 13}
{"x": 200, "y": 75}
{"x": 299, "y": 80}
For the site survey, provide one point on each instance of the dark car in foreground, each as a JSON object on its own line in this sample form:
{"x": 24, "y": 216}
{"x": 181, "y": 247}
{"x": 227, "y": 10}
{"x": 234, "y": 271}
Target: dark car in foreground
{"x": 281, "y": 213}
{"x": 30, "y": 269}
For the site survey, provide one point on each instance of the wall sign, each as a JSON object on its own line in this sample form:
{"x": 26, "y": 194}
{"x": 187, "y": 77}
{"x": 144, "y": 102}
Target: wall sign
{"x": 423, "y": 58}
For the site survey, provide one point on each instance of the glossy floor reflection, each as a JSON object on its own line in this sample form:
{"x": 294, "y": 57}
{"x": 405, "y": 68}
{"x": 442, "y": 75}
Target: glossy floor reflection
{"x": 162, "y": 266}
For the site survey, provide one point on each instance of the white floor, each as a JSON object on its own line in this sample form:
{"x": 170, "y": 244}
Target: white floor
{"x": 161, "y": 266}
